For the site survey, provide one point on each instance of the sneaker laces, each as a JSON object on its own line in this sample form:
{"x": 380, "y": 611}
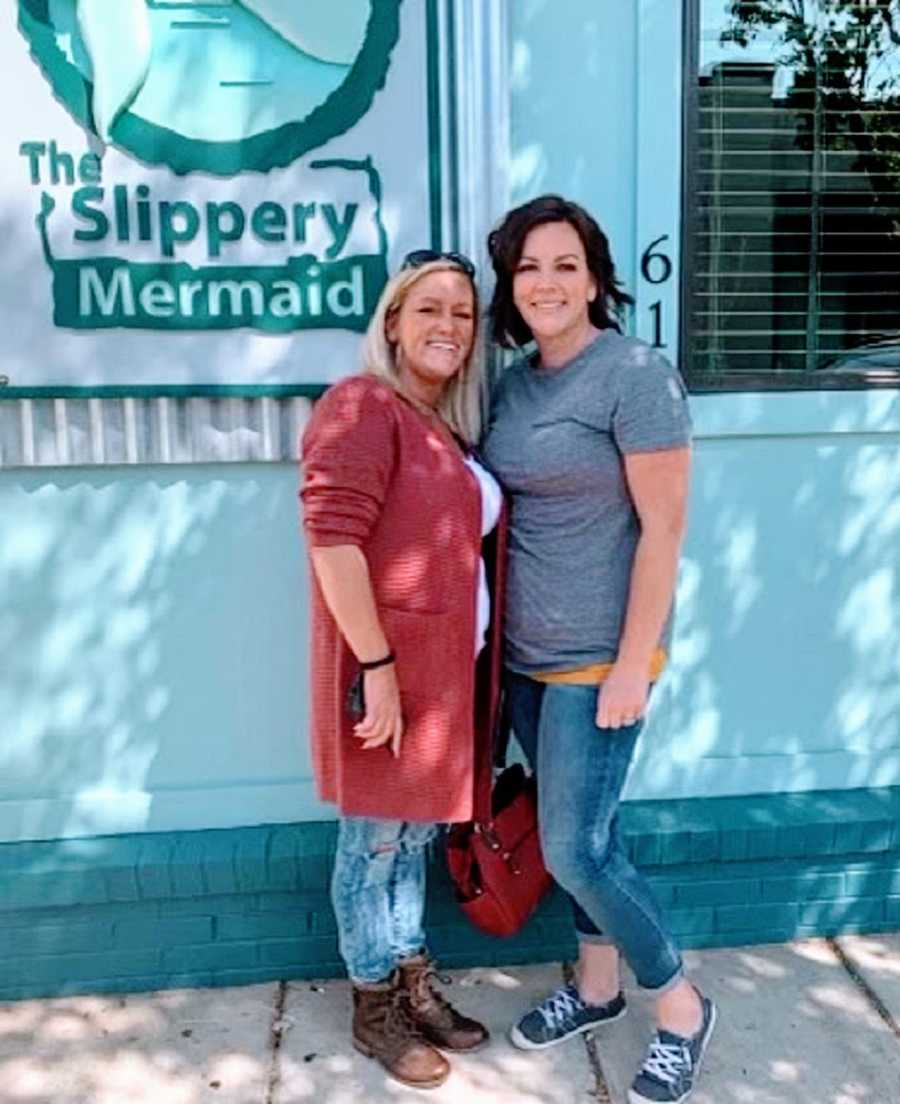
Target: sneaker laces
{"x": 667, "y": 1061}
{"x": 560, "y": 1006}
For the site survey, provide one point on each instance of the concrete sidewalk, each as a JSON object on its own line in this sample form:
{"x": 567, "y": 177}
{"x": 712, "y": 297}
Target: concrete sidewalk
{"x": 802, "y": 1023}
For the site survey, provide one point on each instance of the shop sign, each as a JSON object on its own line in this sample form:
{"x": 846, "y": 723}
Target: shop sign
{"x": 181, "y": 170}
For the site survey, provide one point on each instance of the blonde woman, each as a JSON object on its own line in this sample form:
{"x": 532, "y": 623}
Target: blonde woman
{"x": 394, "y": 513}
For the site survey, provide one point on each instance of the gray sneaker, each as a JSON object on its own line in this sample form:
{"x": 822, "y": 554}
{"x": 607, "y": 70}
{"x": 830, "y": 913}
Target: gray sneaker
{"x": 562, "y": 1015}
{"x": 672, "y": 1064}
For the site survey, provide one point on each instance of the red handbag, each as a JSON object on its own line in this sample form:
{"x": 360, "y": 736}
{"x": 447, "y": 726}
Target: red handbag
{"x": 495, "y": 862}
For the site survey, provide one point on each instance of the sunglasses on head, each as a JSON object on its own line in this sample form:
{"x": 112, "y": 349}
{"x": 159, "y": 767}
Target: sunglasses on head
{"x": 420, "y": 257}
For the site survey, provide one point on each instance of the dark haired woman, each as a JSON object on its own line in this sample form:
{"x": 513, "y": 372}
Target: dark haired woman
{"x": 590, "y": 437}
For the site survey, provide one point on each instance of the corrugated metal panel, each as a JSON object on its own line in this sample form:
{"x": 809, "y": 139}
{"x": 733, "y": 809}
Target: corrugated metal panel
{"x": 86, "y": 432}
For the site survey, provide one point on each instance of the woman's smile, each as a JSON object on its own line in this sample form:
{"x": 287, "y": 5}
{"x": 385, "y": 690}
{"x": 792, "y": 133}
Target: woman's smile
{"x": 433, "y": 331}
{"x": 553, "y": 286}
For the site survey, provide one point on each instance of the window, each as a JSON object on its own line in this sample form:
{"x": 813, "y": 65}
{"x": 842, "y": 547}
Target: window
{"x": 792, "y": 198}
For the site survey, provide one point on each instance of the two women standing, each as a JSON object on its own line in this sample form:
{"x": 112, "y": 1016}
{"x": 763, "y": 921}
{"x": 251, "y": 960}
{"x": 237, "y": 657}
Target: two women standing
{"x": 589, "y": 438}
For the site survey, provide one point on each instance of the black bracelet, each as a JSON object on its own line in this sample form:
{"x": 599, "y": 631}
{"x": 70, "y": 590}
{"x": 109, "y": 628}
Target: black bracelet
{"x": 383, "y": 662}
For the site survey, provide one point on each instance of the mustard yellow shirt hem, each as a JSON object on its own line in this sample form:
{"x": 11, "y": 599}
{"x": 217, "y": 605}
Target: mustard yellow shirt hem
{"x": 594, "y": 673}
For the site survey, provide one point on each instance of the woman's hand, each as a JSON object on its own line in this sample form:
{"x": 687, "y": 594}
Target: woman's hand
{"x": 383, "y": 722}
{"x": 622, "y": 698}
{"x": 343, "y": 574}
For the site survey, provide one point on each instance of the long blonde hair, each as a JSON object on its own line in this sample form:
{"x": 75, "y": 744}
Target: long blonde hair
{"x": 460, "y": 403}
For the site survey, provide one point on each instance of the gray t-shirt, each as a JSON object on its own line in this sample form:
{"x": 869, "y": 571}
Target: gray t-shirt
{"x": 555, "y": 440}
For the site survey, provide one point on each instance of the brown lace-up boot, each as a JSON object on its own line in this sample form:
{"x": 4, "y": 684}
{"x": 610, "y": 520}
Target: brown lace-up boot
{"x": 437, "y": 1019}
{"x": 383, "y": 1029}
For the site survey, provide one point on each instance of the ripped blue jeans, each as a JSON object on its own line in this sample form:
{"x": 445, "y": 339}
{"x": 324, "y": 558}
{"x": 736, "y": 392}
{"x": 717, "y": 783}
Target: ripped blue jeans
{"x": 378, "y": 893}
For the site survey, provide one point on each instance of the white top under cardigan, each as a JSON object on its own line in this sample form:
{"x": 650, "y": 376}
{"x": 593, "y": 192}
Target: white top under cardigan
{"x": 491, "y": 504}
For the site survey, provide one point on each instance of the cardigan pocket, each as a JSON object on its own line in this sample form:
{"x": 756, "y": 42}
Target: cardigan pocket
{"x": 424, "y": 645}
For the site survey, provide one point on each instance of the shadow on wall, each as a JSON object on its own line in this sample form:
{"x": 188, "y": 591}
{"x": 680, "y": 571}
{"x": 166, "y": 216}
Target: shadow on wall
{"x": 153, "y": 628}
{"x": 785, "y": 662}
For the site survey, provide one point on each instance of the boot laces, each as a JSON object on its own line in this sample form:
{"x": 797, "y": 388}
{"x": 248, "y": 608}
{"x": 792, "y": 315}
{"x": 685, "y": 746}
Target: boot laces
{"x": 398, "y": 1017}
{"x": 423, "y": 993}
{"x": 422, "y": 988}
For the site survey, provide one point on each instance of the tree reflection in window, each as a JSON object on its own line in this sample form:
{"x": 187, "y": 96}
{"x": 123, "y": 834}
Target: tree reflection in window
{"x": 796, "y": 251}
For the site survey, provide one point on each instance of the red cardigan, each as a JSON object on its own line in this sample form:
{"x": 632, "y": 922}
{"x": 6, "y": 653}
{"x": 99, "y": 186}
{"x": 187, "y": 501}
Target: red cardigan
{"x": 378, "y": 474}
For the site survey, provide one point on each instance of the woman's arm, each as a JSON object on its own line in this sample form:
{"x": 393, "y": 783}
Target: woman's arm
{"x": 348, "y": 456}
{"x": 658, "y": 483}
{"x": 343, "y": 576}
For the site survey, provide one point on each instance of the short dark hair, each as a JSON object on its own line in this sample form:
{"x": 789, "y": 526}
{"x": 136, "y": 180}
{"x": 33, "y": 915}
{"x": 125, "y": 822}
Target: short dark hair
{"x": 507, "y": 326}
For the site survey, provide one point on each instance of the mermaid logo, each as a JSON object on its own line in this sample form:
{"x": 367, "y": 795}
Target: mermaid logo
{"x": 192, "y": 210}
{"x": 221, "y": 86}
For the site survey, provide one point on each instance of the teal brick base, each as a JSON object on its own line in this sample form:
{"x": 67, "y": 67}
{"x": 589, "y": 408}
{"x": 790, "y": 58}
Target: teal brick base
{"x": 229, "y": 907}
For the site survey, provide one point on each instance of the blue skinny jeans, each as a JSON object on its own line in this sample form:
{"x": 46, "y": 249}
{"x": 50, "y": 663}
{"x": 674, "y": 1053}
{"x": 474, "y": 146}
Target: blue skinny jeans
{"x": 580, "y": 771}
{"x": 378, "y": 893}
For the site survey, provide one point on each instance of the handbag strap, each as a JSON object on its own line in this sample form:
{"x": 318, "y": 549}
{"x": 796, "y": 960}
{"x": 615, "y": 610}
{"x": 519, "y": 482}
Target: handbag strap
{"x": 488, "y": 675}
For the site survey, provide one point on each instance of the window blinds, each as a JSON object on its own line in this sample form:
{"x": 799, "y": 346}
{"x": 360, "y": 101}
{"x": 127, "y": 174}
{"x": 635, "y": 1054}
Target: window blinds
{"x": 796, "y": 191}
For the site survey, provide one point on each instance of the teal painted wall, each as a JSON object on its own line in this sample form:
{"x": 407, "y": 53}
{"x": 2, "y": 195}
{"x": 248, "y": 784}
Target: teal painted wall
{"x": 245, "y": 905}
{"x": 154, "y": 640}
{"x": 574, "y": 110}
{"x": 595, "y": 115}
{"x": 153, "y": 628}
{"x": 787, "y": 652}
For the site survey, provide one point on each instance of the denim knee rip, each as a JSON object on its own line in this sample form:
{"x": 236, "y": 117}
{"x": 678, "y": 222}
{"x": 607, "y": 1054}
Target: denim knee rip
{"x": 378, "y": 892}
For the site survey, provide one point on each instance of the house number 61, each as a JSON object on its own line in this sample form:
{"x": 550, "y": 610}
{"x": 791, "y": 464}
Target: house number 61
{"x": 656, "y": 268}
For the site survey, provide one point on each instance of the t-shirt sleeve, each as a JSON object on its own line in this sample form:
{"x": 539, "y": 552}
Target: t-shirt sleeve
{"x": 347, "y": 454}
{"x": 651, "y": 411}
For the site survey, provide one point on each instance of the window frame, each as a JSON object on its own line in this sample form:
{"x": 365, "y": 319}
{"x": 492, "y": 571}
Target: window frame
{"x": 736, "y": 381}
